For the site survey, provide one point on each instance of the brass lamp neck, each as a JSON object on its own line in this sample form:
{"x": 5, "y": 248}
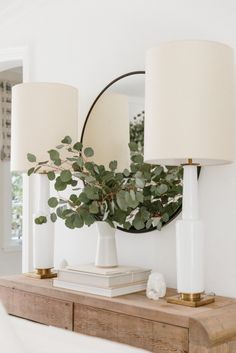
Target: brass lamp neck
{"x": 190, "y": 162}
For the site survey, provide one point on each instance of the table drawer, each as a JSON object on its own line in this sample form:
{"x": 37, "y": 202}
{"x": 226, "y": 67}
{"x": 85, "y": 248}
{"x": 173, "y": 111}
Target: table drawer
{"x": 146, "y": 334}
{"x": 42, "y": 309}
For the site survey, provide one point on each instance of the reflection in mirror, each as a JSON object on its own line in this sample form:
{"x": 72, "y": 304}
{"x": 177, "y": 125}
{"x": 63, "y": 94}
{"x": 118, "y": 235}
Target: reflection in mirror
{"x": 116, "y": 119}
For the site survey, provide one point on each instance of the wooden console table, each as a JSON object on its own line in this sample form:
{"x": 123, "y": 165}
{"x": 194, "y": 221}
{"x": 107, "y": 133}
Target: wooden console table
{"x": 132, "y": 319}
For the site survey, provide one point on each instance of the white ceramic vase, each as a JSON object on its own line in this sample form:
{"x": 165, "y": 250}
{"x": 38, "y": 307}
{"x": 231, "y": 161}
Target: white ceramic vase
{"x": 106, "y": 254}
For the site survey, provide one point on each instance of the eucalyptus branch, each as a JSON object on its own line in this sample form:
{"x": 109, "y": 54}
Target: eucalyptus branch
{"x": 141, "y": 197}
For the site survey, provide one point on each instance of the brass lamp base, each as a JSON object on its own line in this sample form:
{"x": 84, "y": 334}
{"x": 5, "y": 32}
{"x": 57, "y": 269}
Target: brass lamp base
{"x": 191, "y": 299}
{"x": 41, "y": 273}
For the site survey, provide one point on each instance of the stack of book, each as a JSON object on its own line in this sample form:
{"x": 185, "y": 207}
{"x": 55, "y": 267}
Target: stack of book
{"x": 108, "y": 282}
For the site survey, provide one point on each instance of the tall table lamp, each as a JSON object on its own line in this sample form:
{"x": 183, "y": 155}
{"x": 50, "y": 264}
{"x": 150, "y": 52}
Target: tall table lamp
{"x": 189, "y": 116}
{"x": 42, "y": 114}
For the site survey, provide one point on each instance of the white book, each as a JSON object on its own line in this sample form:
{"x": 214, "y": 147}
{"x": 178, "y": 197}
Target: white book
{"x": 106, "y": 292}
{"x": 91, "y": 268}
{"x": 93, "y": 276}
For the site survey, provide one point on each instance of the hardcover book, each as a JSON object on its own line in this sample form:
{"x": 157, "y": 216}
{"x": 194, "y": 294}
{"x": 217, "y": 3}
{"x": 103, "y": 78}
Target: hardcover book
{"x": 103, "y": 277}
{"x": 107, "y": 292}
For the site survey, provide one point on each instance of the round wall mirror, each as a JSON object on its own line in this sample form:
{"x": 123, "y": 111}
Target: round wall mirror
{"x": 115, "y": 119}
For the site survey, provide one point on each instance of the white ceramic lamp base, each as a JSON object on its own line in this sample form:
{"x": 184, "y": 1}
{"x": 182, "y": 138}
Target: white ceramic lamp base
{"x": 43, "y": 239}
{"x": 190, "y": 256}
{"x": 190, "y": 246}
{"x": 43, "y": 234}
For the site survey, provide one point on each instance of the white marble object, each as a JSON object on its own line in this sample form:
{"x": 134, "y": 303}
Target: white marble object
{"x": 156, "y": 286}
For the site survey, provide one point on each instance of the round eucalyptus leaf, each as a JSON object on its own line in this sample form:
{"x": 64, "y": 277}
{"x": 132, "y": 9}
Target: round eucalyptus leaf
{"x": 113, "y": 165}
{"x": 57, "y": 162}
{"x": 51, "y": 175}
{"x": 137, "y": 158}
{"x": 40, "y": 220}
{"x": 73, "y": 198}
{"x": 60, "y": 210}
{"x": 140, "y": 183}
{"x": 162, "y": 189}
{"x": 133, "y": 146}
{"x": 89, "y": 166}
{"x": 165, "y": 217}
{"x": 59, "y": 184}
{"x": 88, "y": 152}
{"x": 52, "y": 202}
{"x": 93, "y": 208}
{"x": 78, "y": 146}
{"x": 126, "y": 172}
{"x": 53, "y": 217}
{"x": 83, "y": 197}
{"x": 31, "y": 157}
{"x": 67, "y": 140}
{"x": 54, "y": 155}
{"x": 138, "y": 223}
{"x": 78, "y": 221}
{"x": 89, "y": 219}
{"x": 65, "y": 176}
{"x": 69, "y": 222}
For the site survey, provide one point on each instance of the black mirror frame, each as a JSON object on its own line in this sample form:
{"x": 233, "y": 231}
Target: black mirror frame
{"x": 141, "y": 72}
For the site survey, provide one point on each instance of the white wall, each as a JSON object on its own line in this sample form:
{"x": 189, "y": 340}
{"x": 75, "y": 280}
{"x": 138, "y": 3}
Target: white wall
{"x": 87, "y": 43}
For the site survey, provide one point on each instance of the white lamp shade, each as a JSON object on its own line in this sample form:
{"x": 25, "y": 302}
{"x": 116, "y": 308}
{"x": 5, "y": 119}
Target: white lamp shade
{"x": 189, "y": 107}
{"x": 42, "y": 114}
{"x": 107, "y": 130}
